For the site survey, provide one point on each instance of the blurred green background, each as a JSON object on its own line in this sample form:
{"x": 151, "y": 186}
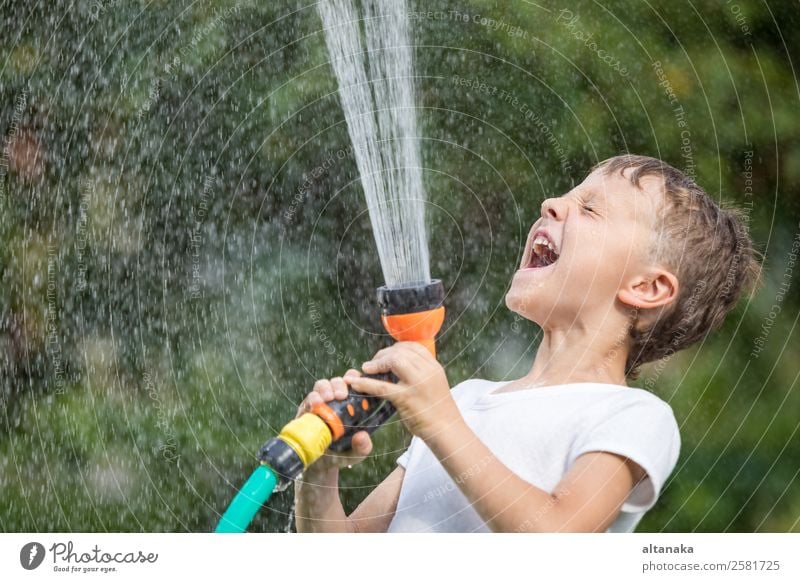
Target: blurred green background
{"x": 185, "y": 246}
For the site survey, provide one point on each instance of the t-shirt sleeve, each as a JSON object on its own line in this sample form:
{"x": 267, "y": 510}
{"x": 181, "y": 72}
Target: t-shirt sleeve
{"x": 402, "y": 460}
{"x": 644, "y": 431}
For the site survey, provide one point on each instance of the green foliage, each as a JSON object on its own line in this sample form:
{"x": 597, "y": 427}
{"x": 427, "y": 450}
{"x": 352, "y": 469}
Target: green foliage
{"x": 185, "y": 246}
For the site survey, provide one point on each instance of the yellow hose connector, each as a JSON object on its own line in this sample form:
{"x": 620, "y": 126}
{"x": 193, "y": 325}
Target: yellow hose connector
{"x": 308, "y": 436}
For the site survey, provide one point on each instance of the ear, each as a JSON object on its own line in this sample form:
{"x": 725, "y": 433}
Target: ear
{"x": 656, "y": 288}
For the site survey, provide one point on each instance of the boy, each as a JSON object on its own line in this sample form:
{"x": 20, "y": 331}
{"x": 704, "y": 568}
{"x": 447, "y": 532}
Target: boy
{"x": 630, "y": 266}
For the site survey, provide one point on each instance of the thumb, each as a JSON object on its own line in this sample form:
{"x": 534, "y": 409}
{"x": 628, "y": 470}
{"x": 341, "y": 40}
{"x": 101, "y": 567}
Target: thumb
{"x": 361, "y": 444}
{"x": 360, "y": 447}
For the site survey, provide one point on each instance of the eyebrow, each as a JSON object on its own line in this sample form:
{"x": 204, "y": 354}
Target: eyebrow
{"x": 584, "y": 193}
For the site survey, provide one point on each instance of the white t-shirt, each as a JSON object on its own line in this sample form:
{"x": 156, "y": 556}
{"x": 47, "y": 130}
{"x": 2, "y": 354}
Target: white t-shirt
{"x": 538, "y": 433}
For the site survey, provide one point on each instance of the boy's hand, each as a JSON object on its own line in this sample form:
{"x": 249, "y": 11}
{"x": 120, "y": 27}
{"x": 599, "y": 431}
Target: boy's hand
{"x": 422, "y": 395}
{"x": 324, "y": 391}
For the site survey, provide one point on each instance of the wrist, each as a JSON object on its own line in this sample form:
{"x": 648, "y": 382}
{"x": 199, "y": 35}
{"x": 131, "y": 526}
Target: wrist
{"x": 320, "y": 473}
{"x": 443, "y": 426}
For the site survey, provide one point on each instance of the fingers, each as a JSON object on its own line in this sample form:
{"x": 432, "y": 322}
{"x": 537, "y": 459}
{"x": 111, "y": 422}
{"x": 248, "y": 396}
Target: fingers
{"x": 310, "y": 400}
{"x": 314, "y": 398}
{"x": 402, "y": 347}
{"x": 401, "y": 358}
{"x": 324, "y": 388}
{"x": 374, "y": 387}
{"x": 339, "y": 388}
{"x": 383, "y": 352}
{"x": 330, "y": 389}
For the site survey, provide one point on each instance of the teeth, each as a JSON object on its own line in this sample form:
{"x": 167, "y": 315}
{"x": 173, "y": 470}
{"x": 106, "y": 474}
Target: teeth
{"x": 541, "y": 241}
{"x": 544, "y": 251}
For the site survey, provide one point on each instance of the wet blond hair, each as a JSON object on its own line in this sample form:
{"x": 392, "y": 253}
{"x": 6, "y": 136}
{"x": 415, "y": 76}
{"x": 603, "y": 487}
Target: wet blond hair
{"x": 707, "y": 247}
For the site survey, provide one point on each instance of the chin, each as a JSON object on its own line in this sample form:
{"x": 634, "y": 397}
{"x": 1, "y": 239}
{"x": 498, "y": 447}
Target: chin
{"x": 535, "y": 300}
{"x": 512, "y": 303}
{"x": 520, "y": 304}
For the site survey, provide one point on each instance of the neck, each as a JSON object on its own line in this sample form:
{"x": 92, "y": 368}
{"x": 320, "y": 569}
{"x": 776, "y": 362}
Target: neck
{"x": 580, "y": 353}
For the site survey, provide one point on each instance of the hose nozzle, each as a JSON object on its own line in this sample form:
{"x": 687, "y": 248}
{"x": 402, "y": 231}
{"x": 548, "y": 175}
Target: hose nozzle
{"x": 409, "y": 313}
{"x": 414, "y": 313}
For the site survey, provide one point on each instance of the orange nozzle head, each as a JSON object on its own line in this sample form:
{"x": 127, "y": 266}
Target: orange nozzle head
{"x": 413, "y": 313}
{"x": 421, "y": 327}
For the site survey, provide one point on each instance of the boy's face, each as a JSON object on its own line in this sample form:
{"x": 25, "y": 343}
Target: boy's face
{"x": 588, "y": 245}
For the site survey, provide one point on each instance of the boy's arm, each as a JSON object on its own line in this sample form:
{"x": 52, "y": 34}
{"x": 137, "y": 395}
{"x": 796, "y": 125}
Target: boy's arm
{"x": 319, "y": 508}
{"x": 588, "y": 498}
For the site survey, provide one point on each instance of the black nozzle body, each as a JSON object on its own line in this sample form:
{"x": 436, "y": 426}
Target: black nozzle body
{"x": 282, "y": 459}
{"x": 410, "y": 298}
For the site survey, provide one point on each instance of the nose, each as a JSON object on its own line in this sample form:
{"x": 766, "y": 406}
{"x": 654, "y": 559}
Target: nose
{"x": 555, "y": 208}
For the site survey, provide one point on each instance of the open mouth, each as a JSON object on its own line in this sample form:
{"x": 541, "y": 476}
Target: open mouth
{"x": 543, "y": 252}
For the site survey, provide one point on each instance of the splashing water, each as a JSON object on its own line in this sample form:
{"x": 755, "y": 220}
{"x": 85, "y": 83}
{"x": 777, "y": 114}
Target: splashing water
{"x": 380, "y": 115}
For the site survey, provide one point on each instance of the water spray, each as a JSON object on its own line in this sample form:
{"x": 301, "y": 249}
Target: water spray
{"x": 378, "y": 104}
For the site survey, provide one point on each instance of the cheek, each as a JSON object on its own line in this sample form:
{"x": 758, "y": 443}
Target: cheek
{"x": 601, "y": 263}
